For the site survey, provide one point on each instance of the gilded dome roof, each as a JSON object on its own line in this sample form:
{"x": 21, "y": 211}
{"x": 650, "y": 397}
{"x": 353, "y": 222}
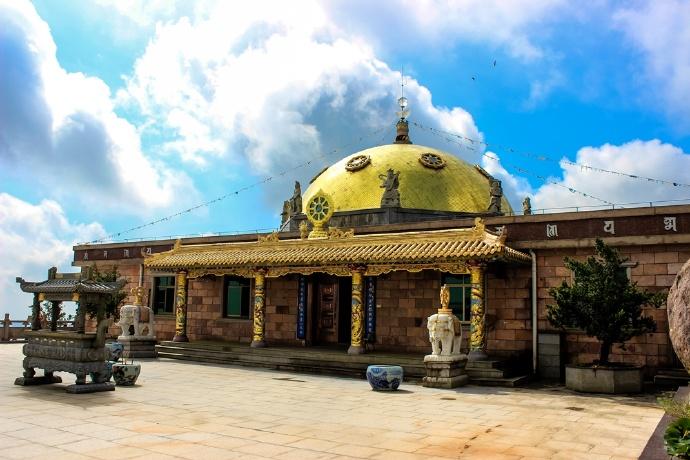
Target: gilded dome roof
{"x": 429, "y": 179}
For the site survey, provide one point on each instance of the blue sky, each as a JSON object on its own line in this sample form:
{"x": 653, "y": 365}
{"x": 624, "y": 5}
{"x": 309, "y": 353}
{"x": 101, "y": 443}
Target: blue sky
{"x": 117, "y": 113}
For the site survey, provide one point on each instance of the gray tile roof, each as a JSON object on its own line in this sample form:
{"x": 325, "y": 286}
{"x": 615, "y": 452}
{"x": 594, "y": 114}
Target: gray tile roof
{"x": 67, "y": 286}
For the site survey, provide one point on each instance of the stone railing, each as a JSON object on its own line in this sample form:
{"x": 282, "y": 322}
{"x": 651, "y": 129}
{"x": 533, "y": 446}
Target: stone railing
{"x": 12, "y": 330}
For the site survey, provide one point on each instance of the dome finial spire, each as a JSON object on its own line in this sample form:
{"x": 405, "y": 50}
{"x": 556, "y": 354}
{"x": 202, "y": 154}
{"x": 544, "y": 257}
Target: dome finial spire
{"x": 403, "y": 131}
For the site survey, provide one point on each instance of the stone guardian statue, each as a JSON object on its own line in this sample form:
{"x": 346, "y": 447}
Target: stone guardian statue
{"x": 391, "y": 195}
{"x": 495, "y": 195}
{"x": 526, "y": 206}
{"x": 296, "y": 200}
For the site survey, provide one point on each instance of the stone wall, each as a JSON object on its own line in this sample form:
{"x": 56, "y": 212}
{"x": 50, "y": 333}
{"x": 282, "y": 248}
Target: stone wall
{"x": 654, "y": 268}
{"x": 406, "y": 300}
{"x": 205, "y": 319}
{"x": 509, "y": 310}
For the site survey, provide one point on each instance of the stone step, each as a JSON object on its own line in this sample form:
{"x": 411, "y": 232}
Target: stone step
{"x": 352, "y": 369}
{"x": 322, "y": 361}
{"x": 486, "y": 364}
{"x": 507, "y": 382}
{"x": 475, "y": 373}
{"x": 280, "y": 356}
{"x": 671, "y": 379}
{"x": 299, "y": 359}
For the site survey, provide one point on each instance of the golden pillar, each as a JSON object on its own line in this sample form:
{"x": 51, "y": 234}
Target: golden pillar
{"x": 478, "y": 315}
{"x": 181, "y": 307}
{"x": 357, "y": 327}
{"x": 259, "y": 309}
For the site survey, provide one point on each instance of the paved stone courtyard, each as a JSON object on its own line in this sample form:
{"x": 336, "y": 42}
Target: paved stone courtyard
{"x": 194, "y": 411}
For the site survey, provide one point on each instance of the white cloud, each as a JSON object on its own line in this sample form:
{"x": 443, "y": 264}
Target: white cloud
{"x": 270, "y": 84}
{"x": 540, "y": 89}
{"x": 142, "y": 13}
{"x": 652, "y": 159}
{"x": 34, "y": 238}
{"x": 659, "y": 30}
{"x": 60, "y": 127}
{"x": 391, "y": 24}
{"x": 510, "y": 25}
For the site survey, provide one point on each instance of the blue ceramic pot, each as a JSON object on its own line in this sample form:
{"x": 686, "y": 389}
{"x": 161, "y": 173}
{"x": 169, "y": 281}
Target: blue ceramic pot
{"x": 126, "y": 374}
{"x": 383, "y": 377}
{"x": 114, "y": 349}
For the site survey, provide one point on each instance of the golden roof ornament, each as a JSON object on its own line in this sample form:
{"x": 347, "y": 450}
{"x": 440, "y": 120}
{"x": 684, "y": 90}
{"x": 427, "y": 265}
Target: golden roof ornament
{"x": 479, "y": 226}
{"x": 303, "y": 230}
{"x": 402, "y": 135}
{"x": 339, "y": 233}
{"x": 320, "y": 208}
{"x": 138, "y": 293}
{"x": 270, "y": 238}
{"x": 445, "y": 300}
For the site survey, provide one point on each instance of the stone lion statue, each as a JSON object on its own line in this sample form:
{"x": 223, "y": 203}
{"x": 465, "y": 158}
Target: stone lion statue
{"x": 138, "y": 316}
{"x": 445, "y": 334}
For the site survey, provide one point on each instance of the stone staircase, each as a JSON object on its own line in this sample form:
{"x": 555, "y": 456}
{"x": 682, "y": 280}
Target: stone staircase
{"x": 314, "y": 360}
{"x": 671, "y": 379}
{"x": 322, "y": 360}
{"x": 495, "y": 373}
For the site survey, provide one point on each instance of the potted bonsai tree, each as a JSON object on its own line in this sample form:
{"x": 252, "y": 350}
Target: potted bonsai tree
{"x": 602, "y": 302}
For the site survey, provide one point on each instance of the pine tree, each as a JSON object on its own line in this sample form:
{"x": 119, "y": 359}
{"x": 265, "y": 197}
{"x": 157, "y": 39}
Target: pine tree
{"x": 602, "y": 301}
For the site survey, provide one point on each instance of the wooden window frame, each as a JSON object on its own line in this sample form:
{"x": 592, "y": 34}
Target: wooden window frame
{"x": 170, "y": 293}
{"x": 248, "y": 285}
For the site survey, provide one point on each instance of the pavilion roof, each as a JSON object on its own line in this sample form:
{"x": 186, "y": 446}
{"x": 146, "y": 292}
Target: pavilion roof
{"x": 69, "y": 286}
{"x": 448, "y": 250}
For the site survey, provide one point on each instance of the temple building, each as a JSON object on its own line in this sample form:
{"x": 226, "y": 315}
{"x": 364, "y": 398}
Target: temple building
{"x": 361, "y": 255}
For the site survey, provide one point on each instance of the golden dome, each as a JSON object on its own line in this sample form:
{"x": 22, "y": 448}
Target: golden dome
{"x": 438, "y": 181}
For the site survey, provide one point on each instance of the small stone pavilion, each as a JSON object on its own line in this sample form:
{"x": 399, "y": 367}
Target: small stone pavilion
{"x": 362, "y": 253}
{"x": 78, "y": 352}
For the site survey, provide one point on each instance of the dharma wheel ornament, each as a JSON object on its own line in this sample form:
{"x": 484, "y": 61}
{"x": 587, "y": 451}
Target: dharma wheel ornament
{"x": 432, "y": 161}
{"x": 320, "y": 208}
{"x": 358, "y": 162}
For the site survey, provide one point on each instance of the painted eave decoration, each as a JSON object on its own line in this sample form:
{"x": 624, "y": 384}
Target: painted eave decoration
{"x": 449, "y": 250}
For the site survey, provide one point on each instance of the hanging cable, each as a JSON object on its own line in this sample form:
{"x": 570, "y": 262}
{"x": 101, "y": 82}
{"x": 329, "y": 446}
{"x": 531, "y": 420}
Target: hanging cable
{"x": 517, "y": 168}
{"x": 240, "y": 190}
{"x": 553, "y": 160}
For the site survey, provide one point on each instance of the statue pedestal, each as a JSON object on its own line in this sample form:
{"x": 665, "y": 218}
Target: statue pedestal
{"x": 138, "y": 346}
{"x": 445, "y": 371}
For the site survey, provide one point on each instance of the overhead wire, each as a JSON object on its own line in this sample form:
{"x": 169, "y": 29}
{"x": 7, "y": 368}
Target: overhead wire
{"x": 514, "y": 167}
{"x": 454, "y": 138}
{"x": 553, "y": 160}
{"x": 233, "y": 193}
